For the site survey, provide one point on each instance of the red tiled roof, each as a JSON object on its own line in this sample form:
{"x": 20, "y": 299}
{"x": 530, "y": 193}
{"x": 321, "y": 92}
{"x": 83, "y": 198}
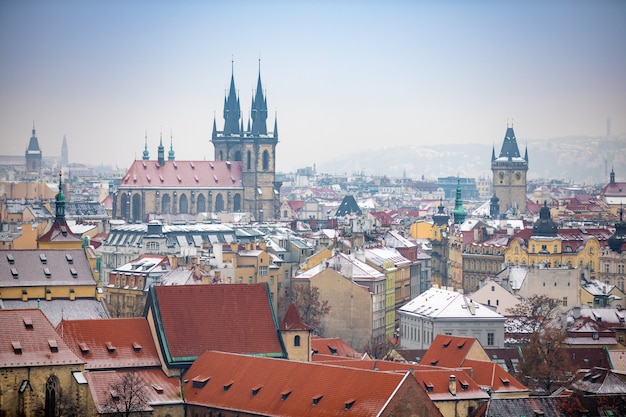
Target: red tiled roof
{"x": 111, "y": 343}
{"x": 157, "y": 388}
{"x": 333, "y": 346}
{"x": 292, "y": 320}
{"x": 490, "y": 374}
{"x": 28, "y": 339}
{"x": 183, "y": 174}
{"x": 229, "y": 318}
{"x": 260, "y": 386}
{"x": 436, "y": 383}
{"x": 447, "y": 351}
{"x": 59, "y": 232}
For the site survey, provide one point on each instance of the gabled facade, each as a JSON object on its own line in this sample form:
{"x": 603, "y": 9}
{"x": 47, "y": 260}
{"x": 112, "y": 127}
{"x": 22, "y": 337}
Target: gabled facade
{"x": 296, "y": 335}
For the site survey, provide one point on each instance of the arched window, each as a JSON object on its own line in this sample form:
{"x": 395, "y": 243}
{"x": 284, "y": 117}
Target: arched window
{"x": 52, "y": 392}
{"x": 249, "y": 162}
{"x": 125, "y": 209}
{"x": 266, "y": 160}
{"x": 137, "y": 208}
{"x": 201, "y": 204}
{"x": 166, "y": 204}
{"x": 183, "y": 206}
{"x": 237, "y": 202}
{"x": 296, "y": 340}
{"x": 221, "y": 156}
{"x": 219, "y": 203}
{"x": 238, "y": 156}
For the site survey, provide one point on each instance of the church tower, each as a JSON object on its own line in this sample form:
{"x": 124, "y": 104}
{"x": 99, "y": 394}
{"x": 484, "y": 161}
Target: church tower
{"x": 33, "y": 156}
{"x": 65, "y": 159}
{"x": 509, "y": 175}
{"x": 254, "y": 147}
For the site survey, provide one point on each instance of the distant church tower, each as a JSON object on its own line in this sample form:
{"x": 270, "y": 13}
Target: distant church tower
{"x": 65, "y": 159}
{"x": 255, "y": 147}
{"x": 509, "y": 175}
{"x": 33, "y": 156}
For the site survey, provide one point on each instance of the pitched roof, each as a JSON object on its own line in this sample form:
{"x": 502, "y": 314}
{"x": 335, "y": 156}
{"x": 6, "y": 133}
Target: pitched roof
{"x": 601, "y": 381}
{"x": 348, "y": 206}
{"x": 258, "y": 386}
{"x": 437, "y": 304}
{"x": 157, "y": 388}
{"x": 29, "y": 340}
{"x": 57, "y": 310}
{"x": 537, "y": 406}
{"x": 111, "y": 343}
{"x": 192, "y": 319}
{"x": 333, "y": 346}
{"x": 292, "y": 320}
{"x": 183, "y": 174}
{"x": 492, "y": 375}
{"x": 39, "y": 267}
{"x": 448, "y": 351}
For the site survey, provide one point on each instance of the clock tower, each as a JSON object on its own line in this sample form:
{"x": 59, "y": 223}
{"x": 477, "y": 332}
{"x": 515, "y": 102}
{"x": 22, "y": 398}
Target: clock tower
{"x": 509, "y": 175}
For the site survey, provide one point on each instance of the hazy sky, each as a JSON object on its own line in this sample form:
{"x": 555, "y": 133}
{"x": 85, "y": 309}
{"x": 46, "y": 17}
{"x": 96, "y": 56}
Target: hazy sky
{"x": 339, "y": 74}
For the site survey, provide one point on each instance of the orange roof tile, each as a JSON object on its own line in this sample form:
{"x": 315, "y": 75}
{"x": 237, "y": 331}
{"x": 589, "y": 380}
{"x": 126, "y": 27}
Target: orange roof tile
{"x": 158, "y": 389}
{"x": 111, "y": 343}
{"x": 259, "y": 386}
{"x": 192, "y": 319}
{"x": 490, "y": 374}
{"x": 447, "y": 351}
{"x": 333, "y": 346}
{"x": 28, "y": 339}
{"x": 436, "y": 383}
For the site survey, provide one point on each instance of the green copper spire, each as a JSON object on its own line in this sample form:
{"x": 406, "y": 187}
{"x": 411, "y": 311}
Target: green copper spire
{"x": 458, "y": 212}
{"x": 170, "y": 154}
{"x": 60, "y": 201}
{"x": 146, "y": 154}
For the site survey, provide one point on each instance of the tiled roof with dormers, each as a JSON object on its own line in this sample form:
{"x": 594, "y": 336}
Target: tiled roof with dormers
{"x": 28, "y": 339}
{"x": 333, "y": 346}
{"x": 437, "y": 384}
{"x": 156, "y": 387}
{"x": 183, "y": 174}
{"x": 448, "y": 351}
{"x": 192, "y": 319}
{"x": 492, "y": 375}
{"x": 258, "y": 386}
{"x": 45, "y": 267}
{"x": 59, "y": 232}
{"x": 111, "y": 343}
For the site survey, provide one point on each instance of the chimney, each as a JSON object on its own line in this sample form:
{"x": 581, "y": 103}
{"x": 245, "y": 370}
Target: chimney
{"x": 452, "y": 385}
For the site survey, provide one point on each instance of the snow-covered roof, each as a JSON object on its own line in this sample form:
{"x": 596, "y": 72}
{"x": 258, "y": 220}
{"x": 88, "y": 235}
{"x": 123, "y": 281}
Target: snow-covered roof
{"x": 438, "y": 303}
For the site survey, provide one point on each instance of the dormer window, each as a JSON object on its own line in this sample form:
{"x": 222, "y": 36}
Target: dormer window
{"x": 84, "y": 349}
{"x": 47, "y": 272}
{"x": 317, "y": 399}
{"x": 349, "y": 404}
{"x": 137, "y": 347}
{"x": 42, "y": 258}
{"x": 74, "y": 272}
{"x": 110, "y": 347}
{"x": 228, "y": 385}
{"x": 200, "y": 381}
{"x": 69, "y": 258}
{"x": 284, "y": 395}
{"x": 10, "y": 259}
{"x": 14, "y": 273}
{"x": 429, "y": 386}
{"x": 53, "y": 345}
{"x": 28, "y": 322}
{"x": 17, "y": 347}
{"x": 256, "y": 390}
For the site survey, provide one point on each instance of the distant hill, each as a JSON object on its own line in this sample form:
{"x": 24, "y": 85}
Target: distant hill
{"x": 582, "y": 160}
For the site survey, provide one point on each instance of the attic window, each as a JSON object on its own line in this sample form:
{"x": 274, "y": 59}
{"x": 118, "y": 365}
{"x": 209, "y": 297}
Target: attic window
{"x": 349, "y": 404}
{"x": 215, "y": 178}
{"x": 211, "y": 164}
{"x": 255, "y": 390}
{"x": 84, "y": 349}
{"x": 192, "y": 165}
{"x": 53, "y": 345}
{"x": 200, "y": 381}
{"x": 28, "y": 322}
{"x": 110, "y": 347}
{"x": 434, "y": 363}
{"x": 161, "y": 178}
{"x": 505, "y": 381}
{"x": 228, "y": 385}
{"x": 47, "y": 272}
{"x": 42, "y": 258}
{"x": 195, "y": 177}
{"x": 137, "y": 347}
{"x": 74, "y": 272}
{"x": 69, "y": 258}
{"x": 464, "y": 385}
{"x": 157, "y": 388}
{"x": 14, "y": 273}
{"x": 461, "y": 345}
{"x": 115, "y": 396}
{"x": 10, "y": 259}
{"x": 232, "y": 178}
{"x": 148, "y": 178}
{"x": 317, "y": 399}
{"x": 175, "y": 165}
{"x": 179, "y": 178}
{"x": 17, "y": 347}
{"x": 284, "y": 395}
{"x": 332, "y": 350}
{"x": 447, "y": 343}
{"x": 429, "y": 386}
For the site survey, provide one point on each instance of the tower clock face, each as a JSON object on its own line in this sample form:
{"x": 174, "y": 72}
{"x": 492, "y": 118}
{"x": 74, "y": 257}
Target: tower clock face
{"x": 501, "y": 176}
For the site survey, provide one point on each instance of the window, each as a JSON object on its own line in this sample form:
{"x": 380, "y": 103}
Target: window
{"x": 490, "y": 339}
{"x": 263, "y": 271}
{"x": 296, "y": 341}
{"x": 564, "y": 301}
{"x": 620, "y": 268}
{"x": 606, "y": 268}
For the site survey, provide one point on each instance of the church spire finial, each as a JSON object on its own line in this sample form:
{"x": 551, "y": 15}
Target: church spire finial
{"x": 171, "y": 155}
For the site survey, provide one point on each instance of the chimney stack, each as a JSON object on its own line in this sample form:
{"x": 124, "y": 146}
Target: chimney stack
{"x": 452, "y": 385}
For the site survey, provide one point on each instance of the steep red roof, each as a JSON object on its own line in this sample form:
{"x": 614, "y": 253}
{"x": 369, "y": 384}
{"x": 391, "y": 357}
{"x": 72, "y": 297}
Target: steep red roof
{"x": 111, "y": 343}
{"x": 28, "y": 339}
{"x": 490, "y": 374}
{"x": 447, "y": 351}
{"x": 184, "y": 174}
{"x": 333, "y": 346}
{"x": 157, "y": 388}
{"x": 192, "y": 319}
{"x": 436, "y": 383}
{"x": 253, "y": 385}
{"x": 292, "y": 320}
{"x": 59, "y": 232}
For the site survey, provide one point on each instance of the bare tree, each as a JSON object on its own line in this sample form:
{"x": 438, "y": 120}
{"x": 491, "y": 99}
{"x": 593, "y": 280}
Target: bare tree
{"x": 307, "y": 300}
{"x": 378, "y": 350}
{"x": 128, "y": 397}
{"x": 546, "y": 364}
